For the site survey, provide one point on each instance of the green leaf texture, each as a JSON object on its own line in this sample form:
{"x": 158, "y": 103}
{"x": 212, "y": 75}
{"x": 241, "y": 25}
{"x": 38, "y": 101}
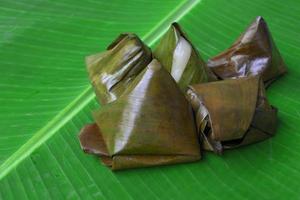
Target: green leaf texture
{"x": 45, "y": 99}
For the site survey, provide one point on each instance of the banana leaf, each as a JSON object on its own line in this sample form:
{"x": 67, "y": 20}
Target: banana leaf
{"x": 232, "y": 113}
{"x": 150, "y": 124}
{"x": 112, "y": 71}
{"x": 254, "y": 53}
{"x": 177, "y": 54}
{"x": 46, "y": 99}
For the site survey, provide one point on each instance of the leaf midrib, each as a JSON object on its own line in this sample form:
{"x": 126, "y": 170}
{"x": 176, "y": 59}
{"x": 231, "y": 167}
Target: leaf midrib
{"x": 86, "y": 96}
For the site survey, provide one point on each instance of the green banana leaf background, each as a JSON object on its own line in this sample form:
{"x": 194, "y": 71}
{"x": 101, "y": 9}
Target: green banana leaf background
{"x": 45, "y": 99}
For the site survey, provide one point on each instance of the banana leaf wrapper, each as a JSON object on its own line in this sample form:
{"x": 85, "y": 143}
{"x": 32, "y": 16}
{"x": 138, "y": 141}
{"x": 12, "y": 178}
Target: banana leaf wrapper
{"x": 177, "y": 54}
{"x": 232, "y": 113}
{"x": 112, "y": 71}
{"x": 253, "y": 53}
{"x": 151, "y": 124}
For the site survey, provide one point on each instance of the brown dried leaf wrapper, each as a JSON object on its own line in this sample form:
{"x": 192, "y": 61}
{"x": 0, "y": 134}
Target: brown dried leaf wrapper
{"x": 232, "y": 113}
{"x": 112, "y": 71}
{"x": 141, "y": 128}
{"x": 254, "y": 53}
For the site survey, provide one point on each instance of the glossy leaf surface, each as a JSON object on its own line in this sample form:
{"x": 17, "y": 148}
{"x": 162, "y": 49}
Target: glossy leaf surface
{"x": 46, "y": 98}
{"x": 179, "y": 56}
{"x": 232, "y": 113}
{"x": 141, "y": 127}
{"x": 254, "y": 53}
{"x": 112, "y": 71}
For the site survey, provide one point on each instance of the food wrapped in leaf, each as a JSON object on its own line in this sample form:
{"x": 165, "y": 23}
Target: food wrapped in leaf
{"x": 113, "y": 70}
{"x": 151, "y": 124}
{"x": 177, "y": 54}
{"x": 232, "y": 113}
{"x": 254, "y": 53}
